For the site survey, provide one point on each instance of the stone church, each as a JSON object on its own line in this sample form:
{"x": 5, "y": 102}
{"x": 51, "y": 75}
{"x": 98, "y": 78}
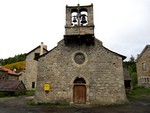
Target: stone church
{"x": 80, "y": 70}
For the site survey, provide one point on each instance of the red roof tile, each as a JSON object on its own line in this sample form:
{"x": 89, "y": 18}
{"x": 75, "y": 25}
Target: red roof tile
{"x": 9, "y": 71}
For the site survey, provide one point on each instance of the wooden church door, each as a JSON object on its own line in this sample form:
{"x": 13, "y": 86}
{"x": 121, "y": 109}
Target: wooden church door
{"x": 79, "y": 94}
{"x": 79, "y": 91}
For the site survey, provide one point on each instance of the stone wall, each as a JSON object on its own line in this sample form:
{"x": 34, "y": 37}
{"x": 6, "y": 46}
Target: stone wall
{"x": 22, "y": 76}
{"x": 31, "y": 70}
{"x": 102, "y": 71}
{"x": 3, "y": 75}
{"x": 144, "y": 71}
{"x": 13, "y": 77}
{"x": 79, "y": 29}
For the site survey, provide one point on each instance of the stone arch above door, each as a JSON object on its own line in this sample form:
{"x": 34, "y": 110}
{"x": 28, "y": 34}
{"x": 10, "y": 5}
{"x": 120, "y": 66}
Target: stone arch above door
{"x": 74, "y": 78}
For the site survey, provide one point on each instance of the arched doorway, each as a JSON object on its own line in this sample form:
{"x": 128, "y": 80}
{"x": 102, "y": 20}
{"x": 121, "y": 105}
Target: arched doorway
{"x": 79, "y": 91}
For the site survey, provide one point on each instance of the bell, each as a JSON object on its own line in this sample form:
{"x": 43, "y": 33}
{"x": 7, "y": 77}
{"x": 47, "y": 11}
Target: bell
{"x": 83, "y": 19}
{"x": 74, "y": 19}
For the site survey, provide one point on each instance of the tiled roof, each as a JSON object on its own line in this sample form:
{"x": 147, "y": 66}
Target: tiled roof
{"x": 10, "y": 72}
{"x": 35, "y": 49}
{"x": 9, "y": 85}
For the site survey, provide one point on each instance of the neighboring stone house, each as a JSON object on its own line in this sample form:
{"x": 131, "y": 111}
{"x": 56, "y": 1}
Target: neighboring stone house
{"x": 14, "y": 87}
{"x": 7, "y": 74}
{"x": 143, "y": 67}
{"x": 29, "y": 75}
{"x": 9, "y": 82}
{"x": 3, "y": 74}
{"x": 80, "y": 70}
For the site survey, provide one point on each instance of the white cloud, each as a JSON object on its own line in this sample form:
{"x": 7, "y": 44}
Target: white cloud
{"x": 122, "y": 25}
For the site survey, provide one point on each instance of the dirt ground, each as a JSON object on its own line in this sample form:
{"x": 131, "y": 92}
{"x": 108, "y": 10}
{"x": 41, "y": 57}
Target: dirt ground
{"x": 19, "y": 105}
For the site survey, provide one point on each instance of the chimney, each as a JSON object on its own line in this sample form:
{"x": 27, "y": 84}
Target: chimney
{"x": 41, "y": 48}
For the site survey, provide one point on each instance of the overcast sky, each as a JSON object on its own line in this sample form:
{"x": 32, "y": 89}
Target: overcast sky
{"x": 122, "y": 25}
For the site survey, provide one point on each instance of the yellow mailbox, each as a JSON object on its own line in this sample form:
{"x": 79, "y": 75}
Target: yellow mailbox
{"x": 46, "y": 87}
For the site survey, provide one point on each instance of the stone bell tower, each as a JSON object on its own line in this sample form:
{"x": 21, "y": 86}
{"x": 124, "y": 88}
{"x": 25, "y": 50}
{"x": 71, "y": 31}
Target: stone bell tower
{"x": 79, "y": 27}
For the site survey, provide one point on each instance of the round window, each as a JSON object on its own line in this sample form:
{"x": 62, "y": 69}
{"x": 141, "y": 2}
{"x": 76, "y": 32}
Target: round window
{"x": 79, "y": 58}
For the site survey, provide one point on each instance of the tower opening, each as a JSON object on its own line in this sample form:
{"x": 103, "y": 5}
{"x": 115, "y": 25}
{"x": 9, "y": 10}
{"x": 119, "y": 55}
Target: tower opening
{"x": 83, "y": 17}
{"x": 74, "y": 17}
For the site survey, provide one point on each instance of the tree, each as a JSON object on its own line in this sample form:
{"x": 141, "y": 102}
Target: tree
{"x": 132, "y": 59}
{"x": 16, "y": 58}
{"x": 131, "y": 66}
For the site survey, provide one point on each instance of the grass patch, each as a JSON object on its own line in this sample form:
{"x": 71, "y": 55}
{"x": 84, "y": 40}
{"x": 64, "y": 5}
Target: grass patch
{"x": 30, "y": 92}
{"x": 54, "y": 104}
{"x": 139, "y": 92}
{"x": 115, "y": 105}
{"x": 47, "y": 104}
{"x": 7, "y": 94}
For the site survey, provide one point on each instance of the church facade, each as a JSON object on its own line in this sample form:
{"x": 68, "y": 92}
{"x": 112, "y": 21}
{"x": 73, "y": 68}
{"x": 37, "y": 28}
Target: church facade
{"x": 80, "y": 70}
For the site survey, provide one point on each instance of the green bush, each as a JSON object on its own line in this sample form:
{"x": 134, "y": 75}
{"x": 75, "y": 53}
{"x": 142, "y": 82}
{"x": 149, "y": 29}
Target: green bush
{"x": 30, "y": 92}
{"x": 134, "y": 79}
{"x": 139, "y": 92}
{"x": 7, "y": 94}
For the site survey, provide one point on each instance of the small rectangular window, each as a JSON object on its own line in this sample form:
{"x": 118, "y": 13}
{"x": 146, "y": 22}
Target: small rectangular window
{"x": 147, "y": 79}
{"x": 143, "y": 80}
{"x": 143, "y": 66}
{"x": 36, "y": 55}
{"x": 33, "y": 84}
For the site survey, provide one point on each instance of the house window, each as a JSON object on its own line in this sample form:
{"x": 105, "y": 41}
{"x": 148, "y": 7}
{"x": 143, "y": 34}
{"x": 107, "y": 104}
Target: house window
{"x": 147, "y": 79}
{"x": 36, "y": 55}
{"x": 143, "y": 66}
{"x": 144, "y": 80}
{"x": 33, "y": 84}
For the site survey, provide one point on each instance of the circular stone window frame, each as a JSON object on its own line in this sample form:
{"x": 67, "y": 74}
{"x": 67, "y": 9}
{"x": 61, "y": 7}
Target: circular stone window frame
{"x": 74, "y": 62}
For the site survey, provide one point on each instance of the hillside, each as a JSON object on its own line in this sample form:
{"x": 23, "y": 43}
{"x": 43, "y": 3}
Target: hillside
{"x": 10, "y": 60}
{"x": 19, "y": 66}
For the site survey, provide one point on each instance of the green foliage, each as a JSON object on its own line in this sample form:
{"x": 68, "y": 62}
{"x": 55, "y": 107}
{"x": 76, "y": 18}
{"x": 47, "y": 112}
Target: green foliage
{"x": 139, "y": 92}
{"x": 131, "y": 66}
{"x": 14, "y": 59}
{"x": 132, "y": 59}
{"x": 11, "y": 94}
{"x": 30, "y": 92}
{"x": 6, "y": 94}
{"x": 134, "y": 79}
{"x": 47, "y": 104}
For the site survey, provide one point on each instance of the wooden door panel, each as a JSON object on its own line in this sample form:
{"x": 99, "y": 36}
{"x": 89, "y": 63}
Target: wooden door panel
{"x": 79, "y": 94}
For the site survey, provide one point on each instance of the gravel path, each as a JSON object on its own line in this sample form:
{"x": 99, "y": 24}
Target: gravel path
{"x": 19, "y": 105}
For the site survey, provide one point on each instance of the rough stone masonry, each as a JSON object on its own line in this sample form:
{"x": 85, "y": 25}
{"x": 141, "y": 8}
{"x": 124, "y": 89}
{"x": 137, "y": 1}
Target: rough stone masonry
{"x": 80, "y": 70}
